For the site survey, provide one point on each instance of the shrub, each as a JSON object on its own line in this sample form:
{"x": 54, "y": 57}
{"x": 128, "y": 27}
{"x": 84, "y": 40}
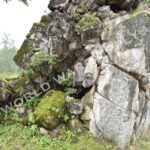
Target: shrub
{"x": 88, "y": 21}
{"x": 40, "y": 58}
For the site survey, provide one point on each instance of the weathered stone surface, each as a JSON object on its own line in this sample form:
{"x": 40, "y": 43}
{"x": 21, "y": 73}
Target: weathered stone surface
{"x": 86, "y": 115}
{"x": 115, "y": 103}
{"x": 88, "y": 98}
{"x": 78, "y": 73}
{"x": 74, "y": 106}
{"x": 91, "y": 33}
{"x": 90, "y": 73}
{"x": 43, "y": 131}
{"x": 128, "y": 45}
{"x": 96, "y": 51}
{"x": 143, "y": 119}
{"x": 57, "y": 4}
{"x": 106, "y": 13}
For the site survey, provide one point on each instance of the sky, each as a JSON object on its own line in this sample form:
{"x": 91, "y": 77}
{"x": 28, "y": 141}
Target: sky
{"x": 16, "y": 19}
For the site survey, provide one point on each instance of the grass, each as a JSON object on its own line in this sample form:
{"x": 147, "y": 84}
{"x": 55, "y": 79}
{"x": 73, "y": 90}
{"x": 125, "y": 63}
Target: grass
{"x": 19, "y": 137}
{"x": 142, "y": 143}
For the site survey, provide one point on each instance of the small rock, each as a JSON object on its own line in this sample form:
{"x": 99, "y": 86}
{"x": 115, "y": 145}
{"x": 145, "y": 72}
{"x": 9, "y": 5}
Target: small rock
{"x": 43, "y": 131}
{"x": 75, "y": 125}
{"x": 20, "y": 110}
{"x": 75, "y": 106}
{"x": 85, "y": 117}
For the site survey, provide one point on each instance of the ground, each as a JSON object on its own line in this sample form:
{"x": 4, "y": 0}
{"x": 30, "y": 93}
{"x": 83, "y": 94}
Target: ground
{"x": 19, "y": 137}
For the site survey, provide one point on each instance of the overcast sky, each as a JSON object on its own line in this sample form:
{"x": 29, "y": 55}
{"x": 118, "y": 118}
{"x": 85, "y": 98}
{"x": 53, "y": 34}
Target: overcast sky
{"x": 17, "y": 19}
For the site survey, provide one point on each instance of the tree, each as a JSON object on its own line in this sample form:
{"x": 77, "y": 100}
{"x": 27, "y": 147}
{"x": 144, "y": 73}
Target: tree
{"x": 7, "y": 52}
{"x": 24, "y": 1}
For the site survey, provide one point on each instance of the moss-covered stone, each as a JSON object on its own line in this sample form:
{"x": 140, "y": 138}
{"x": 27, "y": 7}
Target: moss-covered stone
{"x": 74, "y": 106}
{"x": 76, "y": 16}
{"x": 88, "y": 21}
{"x": 83, "y": 7}
{"x": 50, "y": 111}
{"x": 28, "y": 35}
{"x": 37, "y": 25}
{"x": 135, "y": 14}
{"x": 25, "y": 78}
{"x": 75, "y": 125}
{"x": 45, "y": 19}
{"x": 26, "y": 48}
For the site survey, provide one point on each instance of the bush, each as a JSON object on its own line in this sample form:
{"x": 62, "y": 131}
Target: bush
{"x": 88, "y": 21}
{"x": 40, "y": 58}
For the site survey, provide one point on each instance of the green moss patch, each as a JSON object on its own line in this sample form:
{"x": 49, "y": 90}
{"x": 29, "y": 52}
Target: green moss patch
{"x": 135, "y": 14}
{"x": 50, "y": 110}
{"x": 45, "y": 19}
{"x": 26, "y": 48}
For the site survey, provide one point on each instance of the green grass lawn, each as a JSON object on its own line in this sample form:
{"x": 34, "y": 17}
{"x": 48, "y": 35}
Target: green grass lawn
{"x": 19, "y": 137}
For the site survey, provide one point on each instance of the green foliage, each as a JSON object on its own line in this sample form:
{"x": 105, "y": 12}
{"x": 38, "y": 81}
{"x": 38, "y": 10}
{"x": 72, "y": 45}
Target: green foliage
{"x": 34, "y": 129}
{"x": 66, "y": 80}
{"x": 66, "y": 118}
{"x": 44, "y": 140}
{"x": 12, "y": 116}
{"x": 55, "y": 109}
{"x": 2, "y": 129}
{"x": 88, "y": 21}
{"x": 83, "y": 7}
{"x": 147, "y": 1}
{"x": 70, "y": 91}
{"x": 20, "y": 137}
{"x": 31, "y": 119}
{"x": 37, "y": 25}
{"x": 7, "y": 52}
{"x": 32, "y": 103}
{"x": 45, "y": 19}
{"x": 23, "y": 1}
{"x": 40, "y": 58}
{"x": 76, "y": 16}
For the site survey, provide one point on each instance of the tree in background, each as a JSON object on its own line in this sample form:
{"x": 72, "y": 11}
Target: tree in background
{"x": 7, "y": 53}
{"x": 24, "y": 1}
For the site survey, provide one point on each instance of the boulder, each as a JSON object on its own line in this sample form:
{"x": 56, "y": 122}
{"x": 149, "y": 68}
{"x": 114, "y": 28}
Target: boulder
{"x": 128, "y": 45}
{"x": 115, "y": 105}
{"x": 50, "y": 111}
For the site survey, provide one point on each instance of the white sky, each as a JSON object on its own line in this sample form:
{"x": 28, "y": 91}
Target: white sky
{"x": 17, "y": 19}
